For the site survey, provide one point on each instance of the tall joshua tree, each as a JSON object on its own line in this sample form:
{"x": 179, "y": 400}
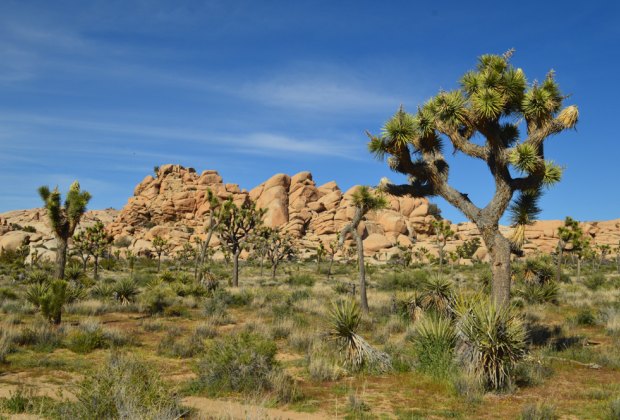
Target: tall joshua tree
{"x": 493, "y": 103}
{"x": 364, "y": 201}
{"x": 237, "y": 223}
{"x": 64, "y": 219}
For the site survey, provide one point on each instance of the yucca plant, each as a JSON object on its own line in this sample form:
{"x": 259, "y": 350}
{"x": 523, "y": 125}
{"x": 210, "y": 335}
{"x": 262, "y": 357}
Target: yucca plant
{"x": 34, "y": 293}
{"x": 438, "y": 294}
{"x": 344, "y": 321}
{"x": 74, "y": 273}
{"x": 410, "y": 307}
{"x": 39, "y": 277}
{"x": 492, "y": 343}
{"x": 125, "y": 291}
{"x": 102, "y": 291}
{"x": 435, "y": 341}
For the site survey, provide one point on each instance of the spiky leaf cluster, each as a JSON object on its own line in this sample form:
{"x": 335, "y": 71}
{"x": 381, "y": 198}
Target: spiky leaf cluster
{"x": 367, "y": 200}
{"x": 64, "y": 219}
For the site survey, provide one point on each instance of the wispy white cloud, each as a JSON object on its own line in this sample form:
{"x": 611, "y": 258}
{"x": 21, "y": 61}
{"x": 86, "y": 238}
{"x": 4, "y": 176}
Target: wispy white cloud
{"x": 252, "y": 142}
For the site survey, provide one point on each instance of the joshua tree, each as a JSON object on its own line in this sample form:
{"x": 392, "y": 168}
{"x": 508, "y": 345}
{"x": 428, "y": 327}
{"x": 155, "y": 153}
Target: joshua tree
{"x": 161, "y": 246}
{"x": 364, "y": 201}
{"x": 64, "y": 219}
{"x": 568, "y": 234}
{"x": 603, "y": 250}
{"x": 331, "y": 250}
{"x": 320, "y": 252}
{"x": 215, "y": 217}
{"x": 491, "y": 104}
{"x": 278, "y": 246}
{"x": 236, "y": 225}
{"x": 442, "y": 234}
{"x": 130, "y": 257}
{"x": 468, "y": 248}
{"x": 97, "y": 242}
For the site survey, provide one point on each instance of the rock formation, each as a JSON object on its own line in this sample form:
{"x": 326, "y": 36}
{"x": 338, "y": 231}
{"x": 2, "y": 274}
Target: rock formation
{"x": 174, "y": 205}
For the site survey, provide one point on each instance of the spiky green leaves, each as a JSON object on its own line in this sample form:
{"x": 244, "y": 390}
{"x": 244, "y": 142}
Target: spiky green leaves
{"x": 525, "y": 157}
{"x": 525, "y": 209}
{"x": 540, "y": 103}
{"x": 65, "y": 219}
{"x": 488, "y": 103}
{"x": 368, "y": 200}
{"x": 400, "y": 130}
{"x": 553, "y": 174}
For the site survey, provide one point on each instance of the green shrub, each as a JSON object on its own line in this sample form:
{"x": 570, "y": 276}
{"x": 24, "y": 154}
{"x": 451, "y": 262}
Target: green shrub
{"x": 124, "y": 388}
{"x": 407, "y": 280}
{"x": 102, "y": 290}
{"x": 302, "y": 279}
{"x": 156, "y": 299}
{"x": 434, "y": 341}
{"x": 437, "y": 294}
{"x": 537, "y": 292}
{"x": 613, "y": 410}
{"x": 239, "y": 363}
{"x": 585, "y": 316}
{"x": 53, "y": 301}
{"x": 7, "y": 293}
{"x": 35, "y": 292}
{"x": 125, "y": 291}
{"x": 174, "y": 344}
{"x": 539, "y": 411}
{"x": 594, "y": 281}
{"x": 40, "y": 335}
{"x": 86, "y": 338}
{"x": 493, "y": 343}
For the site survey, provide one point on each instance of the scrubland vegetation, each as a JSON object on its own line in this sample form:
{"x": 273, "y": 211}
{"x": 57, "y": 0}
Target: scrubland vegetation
{"x": 141, "y": 344}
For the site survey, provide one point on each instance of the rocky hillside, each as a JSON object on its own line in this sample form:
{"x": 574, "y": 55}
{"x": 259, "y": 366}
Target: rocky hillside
{"x": 173, "y": 205}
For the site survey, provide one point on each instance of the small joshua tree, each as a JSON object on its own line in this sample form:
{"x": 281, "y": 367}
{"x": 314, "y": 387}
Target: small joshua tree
{"x": 331, "y": 249}
{"x": 491, "y": 103}
{"x": 64, "y": 219}
{"x": 364, "y": 201}
{"x": 97, "y": 242}
{"x": 278, "y": 246}
{"x": 567, "y": 233}
{"x": 237, "y": 223}
{"x": 442, "y": 234}
{"x": 320, "y": 253}
{"x": 161, "y": 247}
{"x": 215, "y": 217}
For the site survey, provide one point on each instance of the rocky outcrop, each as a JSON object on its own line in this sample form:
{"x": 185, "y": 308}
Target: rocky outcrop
{"x": 173, "y": 204}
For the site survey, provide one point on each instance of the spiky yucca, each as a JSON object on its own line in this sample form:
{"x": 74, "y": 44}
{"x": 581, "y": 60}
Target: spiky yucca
{"x": 435, "y": 341}
{"x": 494, "y": 103}
{"x": 344, "y": 321}
{"x": 493, "y": 342}
{"x": 438, "y": 294}
{"x": 125, "y": 291}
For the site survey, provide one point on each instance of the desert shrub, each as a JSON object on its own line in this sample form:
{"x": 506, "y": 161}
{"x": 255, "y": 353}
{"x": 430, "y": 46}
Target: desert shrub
{"x": 300, "y": 341}
{"x": 40, "y": 335}
{"x": 167, "y": 276}
{"x": 152, "y": 325}
{"x": 611, "y": 317}
{"x": 281, "y": 329}
{"x": 594, "y": 281}
{"x": 86, "y": 338}
{"x": 74, "y": 292}
{"x": 284, "y": 387}
{"x": 437, "y": 294}
{"x": 124, "y": 388}
{"x": 39, "y": 276}
{"x": 434, "y": 341}
{"x": 531, "y": 372}
{"x": 53, "y": 301}
{"x": 321, "y": 364}
{"x": 407, "y": 280}
{"x": 7, "y": 342}
{"x": 585, "y": 316}
{"x": 409, "y": 307}
{"x": 613, "y": 409}
{"x": 125, "y": 291}
{"x": 344, "y": 321}
{"x": 239, "y": 363}
{"x": 538, "y": 292}
{"x": 90, "y": 307}
{"x": 73, "y": 272}
{"x": 102, "y": 290}
{"x": 402, "y": 354}
{"x": 300, "y": 279}
{"x": 8, "y": 294}
{"x": 538, "y": 411}
{"x": 493, "y": 341}
{"x": 157, "y": 298}
{"x": 174, "y": 344}
{"x": 205, "y": 330}
{"x": 35, "y": 292}
{"x": 468, "y": 387}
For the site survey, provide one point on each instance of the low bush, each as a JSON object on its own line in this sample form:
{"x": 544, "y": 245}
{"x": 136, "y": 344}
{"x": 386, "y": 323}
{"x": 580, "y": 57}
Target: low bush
{"x": 594, "y": 281}
{"x": 124, "y": 388}
{"x": 302, "y": 279}
{"x": 407, "y": 280}
{"x": 434, "y": 341}
{"x": 238, "y": 363}
{"x": 538, "y": 411}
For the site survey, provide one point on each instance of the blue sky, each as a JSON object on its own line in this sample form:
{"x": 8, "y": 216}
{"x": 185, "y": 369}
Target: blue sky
{"x": 102, "y": 91}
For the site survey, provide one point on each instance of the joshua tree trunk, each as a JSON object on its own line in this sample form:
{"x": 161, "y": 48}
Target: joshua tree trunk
{"x": 96, "y": 268}
{"x": 274, "y": 268}
{"x": 235, "y": 275}
{"x": 200, "y": 260}
{"x": 61, "y": 256}
{"x": 360, "y": 258}
{"x": 158, "y": 261}
{"x": 329, "y": 268}
{"x": 558, "y": 275}
{"x": 499, "y": 251}
{"x": 262, "y": 265}
{"x": 578, "y": 268}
